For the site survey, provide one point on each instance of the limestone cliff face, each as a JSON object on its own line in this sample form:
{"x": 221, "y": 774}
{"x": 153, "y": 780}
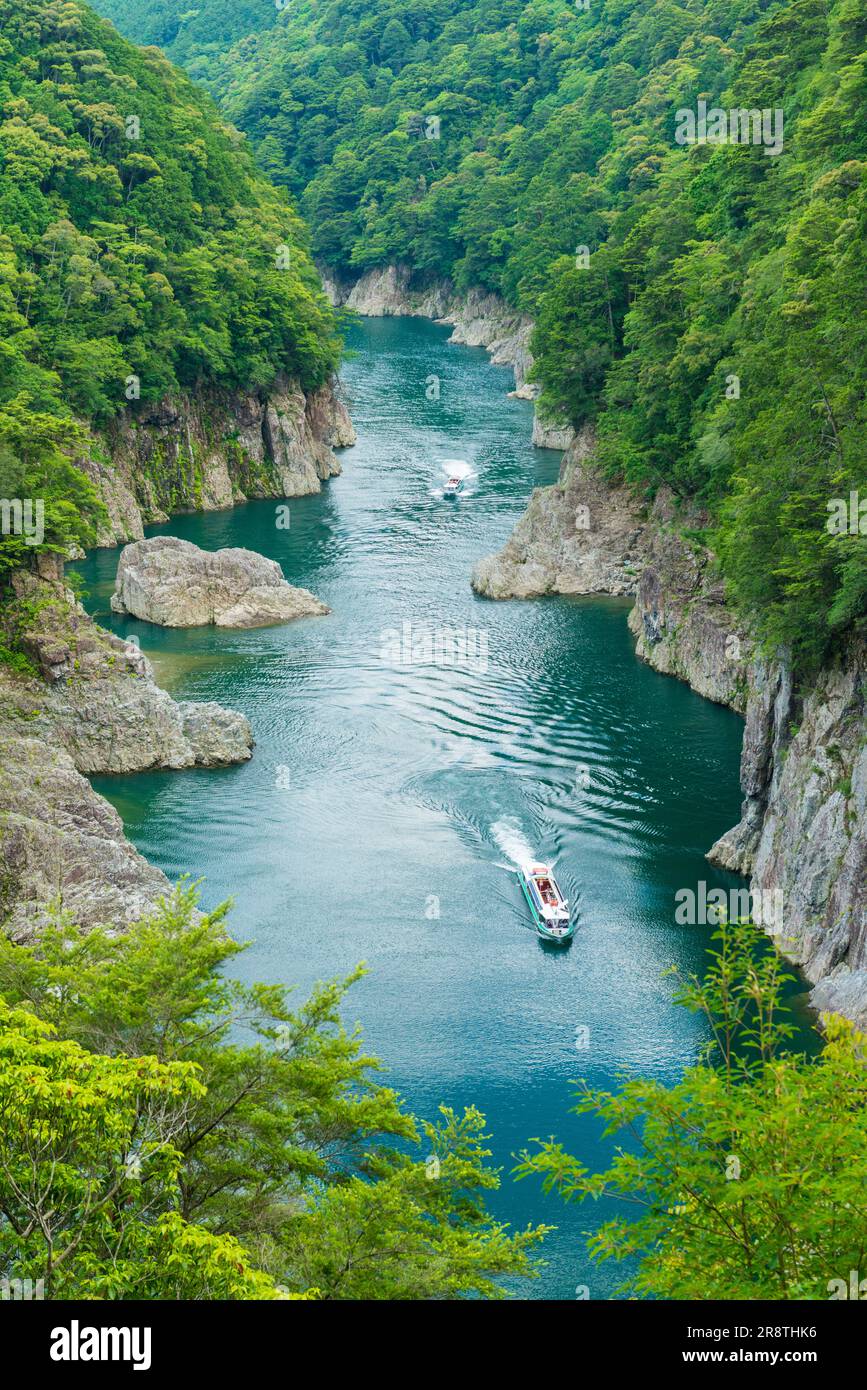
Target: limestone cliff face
{"x": 389, "y": 291}
{"x": 580, "y": 536}
{"x": 89, "y": 706}
{"x": 681, "y": 621}
{"x": 213, "y": 449}
{"x": 478, "y": 319}
{"x": 803, "y": 832}
{"x": 94, "y": 695}
{"x": 61, "y": 842}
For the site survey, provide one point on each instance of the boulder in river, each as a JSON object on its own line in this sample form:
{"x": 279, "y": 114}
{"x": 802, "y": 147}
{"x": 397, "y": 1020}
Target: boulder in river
{"x": 172, "y": 582}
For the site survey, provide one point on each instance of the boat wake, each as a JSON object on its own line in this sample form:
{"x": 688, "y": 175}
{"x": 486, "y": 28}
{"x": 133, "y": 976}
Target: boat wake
{"x": 455, "y": 468}
{"x": 510, "y": 838}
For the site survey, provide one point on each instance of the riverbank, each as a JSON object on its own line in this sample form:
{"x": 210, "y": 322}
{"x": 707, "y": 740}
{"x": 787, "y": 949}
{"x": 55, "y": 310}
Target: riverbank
{"x": 82, "y": 703}
{"x": 802, "y": 836}
{"x": 85, "y": 704}
{"x": 478, "y": 319}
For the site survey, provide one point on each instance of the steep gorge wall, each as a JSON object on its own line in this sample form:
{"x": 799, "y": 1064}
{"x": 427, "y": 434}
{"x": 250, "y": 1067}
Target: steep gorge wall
{"x": 88, "y": 705}
{"x": 213, "y": 450}
{"x": 803, "y": 832}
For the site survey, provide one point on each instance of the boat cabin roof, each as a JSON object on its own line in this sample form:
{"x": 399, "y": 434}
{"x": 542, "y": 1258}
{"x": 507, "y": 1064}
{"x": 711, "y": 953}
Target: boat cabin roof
{"x": 545, "y": 891}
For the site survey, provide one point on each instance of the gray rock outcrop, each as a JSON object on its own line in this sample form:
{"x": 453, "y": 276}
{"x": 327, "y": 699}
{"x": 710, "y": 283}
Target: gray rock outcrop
{"x": 803, "y": 832}
{"x": 176, "y": 584}
{"x": 213, "y": 450}
{"x": 90, "y": 705}
{"x": 551, "y": 436}
{"x": 95, "y": 697}
{"x": 682, "y": 623}
{"x": 62, "y": 843}
{"x": 581, "y": 536}
{"x": 802, "y": 838}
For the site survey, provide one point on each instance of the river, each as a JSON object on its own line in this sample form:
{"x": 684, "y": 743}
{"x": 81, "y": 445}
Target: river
{"x": 386, "y": 800}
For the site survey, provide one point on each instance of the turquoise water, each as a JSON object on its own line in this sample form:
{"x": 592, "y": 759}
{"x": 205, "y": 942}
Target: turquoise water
{"x": 384, "y": 800}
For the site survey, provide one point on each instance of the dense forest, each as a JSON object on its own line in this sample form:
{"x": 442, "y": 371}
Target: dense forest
{"x": 700, "y": 302}
{"x": 140, "y": 252}
{"x": 167, "y": 1132}
{"x": 193, "y": 36}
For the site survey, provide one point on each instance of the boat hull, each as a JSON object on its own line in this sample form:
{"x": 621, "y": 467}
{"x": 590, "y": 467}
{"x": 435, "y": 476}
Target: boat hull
{"x": 545, "y": 933}
{"x": 555, "y": 938}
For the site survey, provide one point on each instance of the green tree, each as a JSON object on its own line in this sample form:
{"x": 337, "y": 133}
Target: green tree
{"x": 283, "y": 1140}
{"x": 418, "y": 1229}
{"x": 395, "y": 45}
{"x": 746, "y": 1180}
{"x": 88, "y": 1175}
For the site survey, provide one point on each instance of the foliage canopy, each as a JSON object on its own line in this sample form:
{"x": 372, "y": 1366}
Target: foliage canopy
{"x": 167, "y": 1132}
{"x": 716, "y": 334}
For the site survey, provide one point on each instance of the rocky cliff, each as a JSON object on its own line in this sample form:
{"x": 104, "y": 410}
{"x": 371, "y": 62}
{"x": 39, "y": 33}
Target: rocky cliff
{"x": 802, "y": 838}
{"x": 681, "y": 621}
{"x": 79, "y": 701}
{"x": 62, "y": 843}
{"x": 803, "y": 833}
{"x": 211, "y": 450}
{"x": 94, "y": 695}
{"x": 478, "y": 319}
{"x": 580, "y": 536}
{"x": 84, "y": 702}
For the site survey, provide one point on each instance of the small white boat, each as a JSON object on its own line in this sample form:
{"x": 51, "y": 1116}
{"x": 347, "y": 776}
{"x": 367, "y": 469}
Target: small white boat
{"x": 549, "y": 908}
{"x": 453, "y": 487}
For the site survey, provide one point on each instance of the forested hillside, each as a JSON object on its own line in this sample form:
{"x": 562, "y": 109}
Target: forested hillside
{"x": 714, "y": 328}
{"x": 140, "y": 251}
{"x": 193, "y": 35}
